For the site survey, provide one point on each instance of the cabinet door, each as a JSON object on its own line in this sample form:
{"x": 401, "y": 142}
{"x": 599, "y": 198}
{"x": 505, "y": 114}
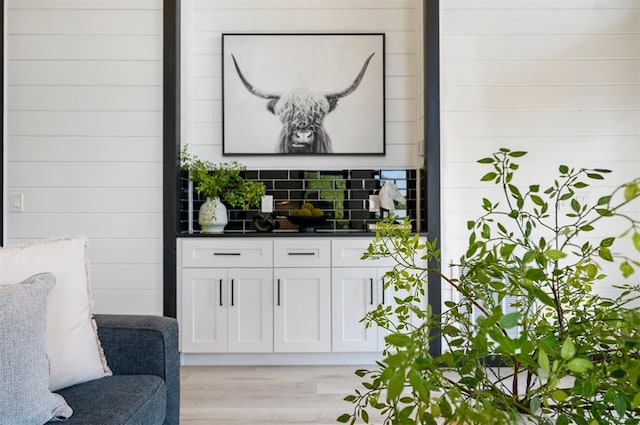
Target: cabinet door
{"x": 204, "y": 311}
{"x": 250, "y": 321}
{"x": 354, "y": 293}
{"x": 302, "y": 315}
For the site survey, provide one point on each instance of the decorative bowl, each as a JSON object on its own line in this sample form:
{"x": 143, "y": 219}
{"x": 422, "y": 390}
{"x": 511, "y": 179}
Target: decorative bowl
{"x": 307, "y": 223}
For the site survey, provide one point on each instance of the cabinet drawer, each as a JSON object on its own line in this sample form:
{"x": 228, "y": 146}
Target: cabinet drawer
{"x": 302, "y": 253}
{"x": 227, "y": 253}
{"x": 349, "y": 252}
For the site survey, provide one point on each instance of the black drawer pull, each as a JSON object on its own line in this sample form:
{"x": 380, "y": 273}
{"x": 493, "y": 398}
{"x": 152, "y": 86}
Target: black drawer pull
{"x": 220, "y": 291}
{"x": 227, "y": 253}
{"x": 301, "y": 253}
{"x": 371, "y": 290}
{"x": 278, "y": 291}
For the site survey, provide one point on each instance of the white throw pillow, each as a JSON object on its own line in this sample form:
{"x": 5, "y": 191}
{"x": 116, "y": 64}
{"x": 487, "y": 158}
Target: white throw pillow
{"x": 72, "y": 344}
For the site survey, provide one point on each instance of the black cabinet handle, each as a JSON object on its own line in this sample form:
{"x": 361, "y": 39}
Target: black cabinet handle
{"x": 301, "y": 253}
{"x": 232, "y": 292}
{"x": 371, "y": 290}
{"x": 278, "y": 292}
{"x": 227, "y": 253}
{"x": 220, "y": 291}
{"x": 382, "y": 291}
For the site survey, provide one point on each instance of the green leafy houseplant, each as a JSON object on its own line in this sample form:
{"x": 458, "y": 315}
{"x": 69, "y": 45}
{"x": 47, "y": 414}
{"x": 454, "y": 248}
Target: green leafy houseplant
{"x": 223, "y": 181}
{"x": 527, "y": 339}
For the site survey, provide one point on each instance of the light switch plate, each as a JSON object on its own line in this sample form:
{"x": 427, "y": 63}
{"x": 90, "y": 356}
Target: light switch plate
{"x": 16, "y": 202}
{"x": 266, "y": 205}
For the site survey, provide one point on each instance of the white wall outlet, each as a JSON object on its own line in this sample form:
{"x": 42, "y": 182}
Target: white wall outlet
{"x": 16, "y": 202}
{"x": 374, "y": 203}
{"x": 266, "y": 205}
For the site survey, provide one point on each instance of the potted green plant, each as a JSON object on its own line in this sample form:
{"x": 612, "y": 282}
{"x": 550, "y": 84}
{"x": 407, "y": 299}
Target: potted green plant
{"x": 527, "y": 339}
{"x": 218, "y": 183}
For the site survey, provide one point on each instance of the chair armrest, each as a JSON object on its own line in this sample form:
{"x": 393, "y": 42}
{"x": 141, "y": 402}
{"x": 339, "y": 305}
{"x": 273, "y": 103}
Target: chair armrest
{"x": 143, "y": 345}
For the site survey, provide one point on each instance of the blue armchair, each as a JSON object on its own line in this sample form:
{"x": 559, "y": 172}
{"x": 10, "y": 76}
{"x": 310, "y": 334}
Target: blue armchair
{"x": 142, "y": 352}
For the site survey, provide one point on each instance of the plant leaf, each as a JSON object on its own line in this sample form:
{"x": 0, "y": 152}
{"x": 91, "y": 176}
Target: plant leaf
{"x": 579, "y": 365}
{"x": 626, "y": 269}
{"x": 517, "y": 154}
{"x": 568, "y": 349}
{"x": 396, "y": 385}
{"x": 543, "y": 361}
{"x": 398, "y": 340}
{"x": 510, "y": 320}
{"x": 605, "y": 254}
{"x": 636, "y": 240}
{"x": 344, "y": 418}
{"x": 554, "y": 254}
{"x": 489, "y": 176}
{"x": 630, "y": 192}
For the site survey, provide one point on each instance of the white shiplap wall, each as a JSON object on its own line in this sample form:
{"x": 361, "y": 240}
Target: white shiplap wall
{"x": 560, "y": 79}
{"x": 84, "y": 125}
{"x": 205, "y": 20}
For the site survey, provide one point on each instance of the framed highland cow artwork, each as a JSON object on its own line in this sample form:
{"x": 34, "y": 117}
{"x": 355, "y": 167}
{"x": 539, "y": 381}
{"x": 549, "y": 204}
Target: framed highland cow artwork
{"x": 303, "y": 94}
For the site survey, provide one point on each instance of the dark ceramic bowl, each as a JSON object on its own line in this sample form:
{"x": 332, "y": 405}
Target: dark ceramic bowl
{"x": 307, "y": 223}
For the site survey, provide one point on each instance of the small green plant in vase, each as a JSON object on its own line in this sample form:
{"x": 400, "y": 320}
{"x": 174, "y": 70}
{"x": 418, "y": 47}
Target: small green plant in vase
{"x": 217, "y": 183}
{"x": 527, "y": 339}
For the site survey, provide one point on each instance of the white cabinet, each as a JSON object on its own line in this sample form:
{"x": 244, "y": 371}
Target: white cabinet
{"x": 357, "y": 288}
{"x": 227, "y": 310}
{"x": 302, "y": 311}
{"x": 250, "y": 309}
{"x": 203, "y": 326}
{"x": 226, "y": 296}
{"x": 280, "y": 295}
{"x": 355, "y": 292}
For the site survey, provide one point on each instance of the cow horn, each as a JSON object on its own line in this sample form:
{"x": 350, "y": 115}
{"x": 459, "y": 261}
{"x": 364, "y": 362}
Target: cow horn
{"x": 249, "y": 86}
{"x": 333, "y": 98}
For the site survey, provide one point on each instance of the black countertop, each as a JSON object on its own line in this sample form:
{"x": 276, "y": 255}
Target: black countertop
{"x": 280, "y": 233}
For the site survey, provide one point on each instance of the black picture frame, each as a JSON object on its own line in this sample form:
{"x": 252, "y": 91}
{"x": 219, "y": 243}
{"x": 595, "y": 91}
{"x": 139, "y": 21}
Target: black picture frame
{"x": 303, "y": 94}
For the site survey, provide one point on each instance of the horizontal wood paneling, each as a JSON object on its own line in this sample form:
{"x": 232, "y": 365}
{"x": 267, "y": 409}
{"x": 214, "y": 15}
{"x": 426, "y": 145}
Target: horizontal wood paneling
{"x": 539, "y": 123}
{"x": 85, "y": 174}
{"x": 79, "y": 98}
{"x": 84, "y": 5}
{"x": 87, "y": 47}
{"x": 540, "y": 46}
{"x": 560, "y": 79}
{"x": 611, "y": 149}
{"x": 527, "y": 5}
{"x": 92, "y": 200}
{"x": 302, "y": 4}
{"x": 557, "y": 98}
{"x": 95, "y": 225}
{"x": 136, "y": 73}
{"x": 125, "y": 302}
{"x": 396, "y": 42}
{"x": 518, "y": 71}
{"x": 126, "y": 276}
{"x": 85, "y": 149}
{"x": 66, "y": 21}
{"x": 541, "y": 21}
{"x": 84, "y": 121}
{"x": 300, "y": 20}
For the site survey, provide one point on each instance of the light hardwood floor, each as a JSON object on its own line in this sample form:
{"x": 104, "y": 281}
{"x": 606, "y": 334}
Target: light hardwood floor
{"x": 251, "y": 395}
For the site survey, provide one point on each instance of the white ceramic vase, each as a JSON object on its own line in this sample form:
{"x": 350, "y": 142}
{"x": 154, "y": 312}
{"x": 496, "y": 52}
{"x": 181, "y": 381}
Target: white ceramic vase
{"x": 213, "y": 216}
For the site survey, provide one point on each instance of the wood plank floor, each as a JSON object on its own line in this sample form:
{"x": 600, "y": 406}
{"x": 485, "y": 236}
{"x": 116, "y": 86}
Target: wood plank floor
{"x": 251, "y": 395}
